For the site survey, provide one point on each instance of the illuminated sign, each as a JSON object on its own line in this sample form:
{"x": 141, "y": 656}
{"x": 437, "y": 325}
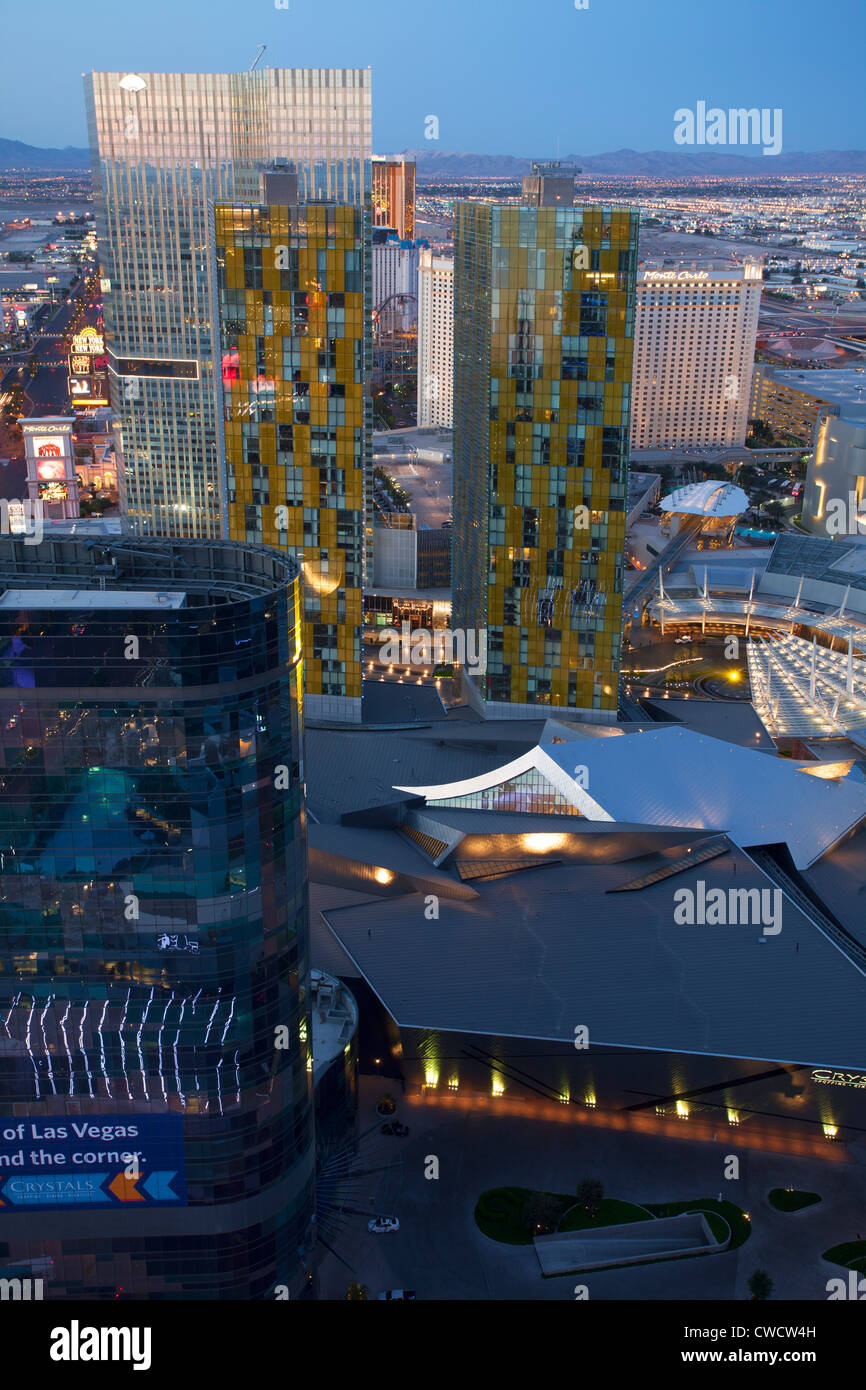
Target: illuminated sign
{"x": 676, "y": 275}
{"x": 50, "y": 469}
{"x": 88, "y": 341}
{"x": 827, "y": 1077}
{"x": 15, "y": 517}
{"x": 181, "y": 369}
{"x": 83, "y": 1161}
{"x": 88, "y": 381}
{"x": 231, "y": 366}
{"x": 56, "y": 427}
{"x": 49, "y": 449}
{"x": 53, "y": 492}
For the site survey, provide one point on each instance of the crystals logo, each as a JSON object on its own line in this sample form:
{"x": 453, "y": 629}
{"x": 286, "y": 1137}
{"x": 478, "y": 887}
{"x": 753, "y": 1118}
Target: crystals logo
{"x": 827, "y": 1077}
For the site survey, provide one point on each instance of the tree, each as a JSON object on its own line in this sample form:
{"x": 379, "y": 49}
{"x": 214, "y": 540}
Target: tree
{"x": 542, "y": 1213}
{"x": 590, "y": 1192}
{"x": 357, "y": 1293}
{"x": 761, "y": 432}
{"x": 760, "y": 1285}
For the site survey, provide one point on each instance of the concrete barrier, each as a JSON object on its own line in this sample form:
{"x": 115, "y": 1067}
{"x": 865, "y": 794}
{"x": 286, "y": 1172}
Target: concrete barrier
{"x": 634, "y": 1242}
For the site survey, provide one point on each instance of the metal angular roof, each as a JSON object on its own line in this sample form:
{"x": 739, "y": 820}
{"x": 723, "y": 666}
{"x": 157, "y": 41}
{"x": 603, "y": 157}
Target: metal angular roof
{"x": 676, "y": 777}
{"x": 538, "y": 950}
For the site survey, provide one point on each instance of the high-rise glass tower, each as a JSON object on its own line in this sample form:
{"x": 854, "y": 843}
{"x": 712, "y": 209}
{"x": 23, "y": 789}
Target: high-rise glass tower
{"x": 155, "y": 1066}
{"x": 393, "y": 186}
{"x": 543, "y": 332}
{"x": 293, "y": 286}
{"x": 164, "y": 148}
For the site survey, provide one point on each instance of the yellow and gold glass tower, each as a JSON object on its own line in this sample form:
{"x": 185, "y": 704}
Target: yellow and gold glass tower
{"x": 293, "y": 282}
{"x": 543, "y": 332}
{"x": 394, "y": 195}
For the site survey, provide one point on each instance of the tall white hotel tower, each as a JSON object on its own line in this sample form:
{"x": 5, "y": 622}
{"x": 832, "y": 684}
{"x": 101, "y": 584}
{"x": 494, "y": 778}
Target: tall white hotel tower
{"x": 694, "y": 352}
{"x": 435, "y": 339}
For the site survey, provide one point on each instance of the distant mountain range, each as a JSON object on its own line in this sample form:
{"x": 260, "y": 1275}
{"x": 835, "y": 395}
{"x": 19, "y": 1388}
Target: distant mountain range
{"x": 453, "y": 164}
{"x": 15, "y": 155}
{"x": 653, "y": 163}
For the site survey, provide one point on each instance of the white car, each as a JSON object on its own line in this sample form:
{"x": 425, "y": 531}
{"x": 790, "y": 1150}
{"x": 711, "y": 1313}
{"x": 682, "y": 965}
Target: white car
{"x": 380, "y": 1224}
{"x": 686, "y": 637}
{"x": 397, "y": 1296}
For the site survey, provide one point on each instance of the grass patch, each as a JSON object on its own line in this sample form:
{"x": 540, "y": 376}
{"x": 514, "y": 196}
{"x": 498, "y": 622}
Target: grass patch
{"x": 784, "y": 1199}
{"x": 717, "y": 1214}
{"x": 611, "y": 1213}
{"x": 850, "y": 1255}
{"x": 500, "y": 1214}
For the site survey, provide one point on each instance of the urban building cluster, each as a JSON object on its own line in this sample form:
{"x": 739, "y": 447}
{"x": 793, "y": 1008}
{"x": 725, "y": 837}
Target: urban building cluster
{"x": 358, "y": 684}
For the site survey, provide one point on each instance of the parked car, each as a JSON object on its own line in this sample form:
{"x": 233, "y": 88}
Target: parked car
{"x": 396, "y": 1295}
{"x": 379, "y": 1225}
{"x": 686, "y": 637}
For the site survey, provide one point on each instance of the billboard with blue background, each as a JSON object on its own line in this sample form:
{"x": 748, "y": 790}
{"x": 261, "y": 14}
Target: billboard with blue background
{"x": 92, "y": 1161}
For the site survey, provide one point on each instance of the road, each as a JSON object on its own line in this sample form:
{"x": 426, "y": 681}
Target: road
{"x": 46, "y": 393}
{"x": 777, "y": 315}
{"x": 429, "y": 485}
{"x": 13, "y": 479}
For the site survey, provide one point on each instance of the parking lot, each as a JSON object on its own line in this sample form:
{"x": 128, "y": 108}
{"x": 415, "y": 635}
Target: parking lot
{"x": 441, "y": 1254}
{"x": 428, "y": 484}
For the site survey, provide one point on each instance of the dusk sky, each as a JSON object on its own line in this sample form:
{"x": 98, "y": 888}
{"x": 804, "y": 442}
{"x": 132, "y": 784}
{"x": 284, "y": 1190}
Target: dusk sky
{"x": 503, "y": 76}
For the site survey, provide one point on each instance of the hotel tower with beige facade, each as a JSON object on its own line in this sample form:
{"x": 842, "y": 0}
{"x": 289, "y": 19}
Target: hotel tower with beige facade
{"x": 694, "y": 352}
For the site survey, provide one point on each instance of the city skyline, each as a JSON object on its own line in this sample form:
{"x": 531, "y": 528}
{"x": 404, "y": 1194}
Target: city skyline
{"x": 433, "y": 670}
{"x": 418, "y": 72}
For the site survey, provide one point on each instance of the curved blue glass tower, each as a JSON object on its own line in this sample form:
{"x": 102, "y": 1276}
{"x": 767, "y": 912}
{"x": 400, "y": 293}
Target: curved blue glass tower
{"x": 156, "y": 1132}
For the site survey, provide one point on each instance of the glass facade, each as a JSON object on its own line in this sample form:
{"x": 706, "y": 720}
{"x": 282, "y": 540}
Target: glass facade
{"x": 164, "y": 148}
{"x": 393, "y": 185}
{"x": 153, "y": 919}
{"x": 529, "y": 792}
{"x": 543, "y": 334}
{"x": 293, "y": 288}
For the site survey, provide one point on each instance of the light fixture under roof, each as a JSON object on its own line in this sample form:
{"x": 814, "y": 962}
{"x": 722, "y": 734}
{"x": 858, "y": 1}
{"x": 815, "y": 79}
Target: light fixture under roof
{"x": 132, "y": 82}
